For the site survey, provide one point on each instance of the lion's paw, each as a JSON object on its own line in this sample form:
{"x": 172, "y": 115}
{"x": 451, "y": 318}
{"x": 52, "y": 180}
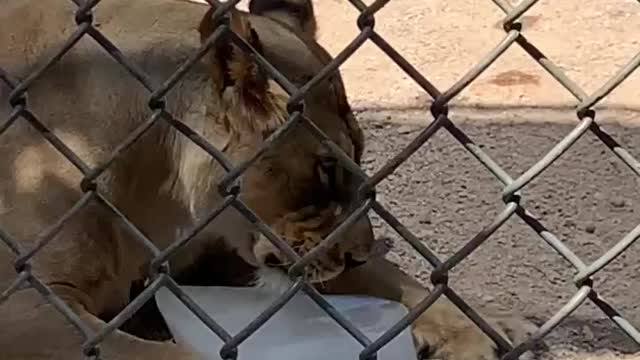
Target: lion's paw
{"x": 444, "y": 333}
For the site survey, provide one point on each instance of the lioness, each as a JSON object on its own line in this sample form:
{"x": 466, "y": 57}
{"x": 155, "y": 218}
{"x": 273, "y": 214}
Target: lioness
{"x": 165, "y": 184}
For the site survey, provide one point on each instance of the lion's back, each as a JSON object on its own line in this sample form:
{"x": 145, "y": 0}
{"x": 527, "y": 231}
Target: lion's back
{"x": 87, "y": 99}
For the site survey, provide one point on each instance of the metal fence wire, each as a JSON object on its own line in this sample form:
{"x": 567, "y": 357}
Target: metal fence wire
{"x": 439, "y": 108}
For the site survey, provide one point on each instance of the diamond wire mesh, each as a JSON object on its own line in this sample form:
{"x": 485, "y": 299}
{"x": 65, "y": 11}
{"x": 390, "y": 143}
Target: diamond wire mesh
{"x": 439, "y": 108}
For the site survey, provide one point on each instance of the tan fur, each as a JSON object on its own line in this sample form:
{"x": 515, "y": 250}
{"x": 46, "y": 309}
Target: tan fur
{"x": 164, "y": 183}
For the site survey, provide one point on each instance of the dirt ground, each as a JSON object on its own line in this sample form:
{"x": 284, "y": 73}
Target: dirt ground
{"x": 588, "y": 199}
{"x": 517, "y": 112}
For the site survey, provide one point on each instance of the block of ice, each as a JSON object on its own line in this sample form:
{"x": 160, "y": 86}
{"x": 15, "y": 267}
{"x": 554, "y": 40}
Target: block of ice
{"x": 299, "y": 331}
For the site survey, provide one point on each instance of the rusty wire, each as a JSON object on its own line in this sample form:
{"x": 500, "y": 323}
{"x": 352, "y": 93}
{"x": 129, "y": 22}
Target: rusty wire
{"x": 159, "y": 273}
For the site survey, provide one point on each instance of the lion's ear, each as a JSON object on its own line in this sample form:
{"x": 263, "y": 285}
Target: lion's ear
{"x": 231, "y": 65}
{"x": 297, "y": 14}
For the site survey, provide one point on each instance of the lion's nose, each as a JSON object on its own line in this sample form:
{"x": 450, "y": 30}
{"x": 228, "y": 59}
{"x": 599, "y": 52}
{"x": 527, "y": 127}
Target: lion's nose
{"x": 350, "y": 262}
{"x": 272, "y": 260}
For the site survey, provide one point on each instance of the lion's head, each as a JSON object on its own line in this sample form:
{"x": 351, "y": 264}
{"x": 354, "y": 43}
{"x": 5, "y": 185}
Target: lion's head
{"x": 297, "y": 186}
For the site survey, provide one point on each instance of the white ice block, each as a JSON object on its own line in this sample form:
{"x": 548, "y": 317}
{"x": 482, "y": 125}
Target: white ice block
{"x": 299, "y": 331}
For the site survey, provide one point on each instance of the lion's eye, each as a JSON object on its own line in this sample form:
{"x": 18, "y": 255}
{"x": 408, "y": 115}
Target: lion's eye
{"x": 327, "y": 170}
{"x": 328, "y": 162}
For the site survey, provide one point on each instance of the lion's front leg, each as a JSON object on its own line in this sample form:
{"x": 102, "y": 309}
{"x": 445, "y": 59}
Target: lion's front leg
{"x": 32, "y": 329}
{"x": 91, "y": 273}
{"x": 443, "y": 329}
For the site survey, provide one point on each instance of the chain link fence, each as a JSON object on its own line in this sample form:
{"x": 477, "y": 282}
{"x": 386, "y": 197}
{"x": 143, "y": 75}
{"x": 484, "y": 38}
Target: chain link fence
{"x": 511, "y": 194}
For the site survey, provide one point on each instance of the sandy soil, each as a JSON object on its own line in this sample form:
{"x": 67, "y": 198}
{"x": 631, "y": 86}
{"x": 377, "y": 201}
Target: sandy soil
{"x": 589, "y": 40}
